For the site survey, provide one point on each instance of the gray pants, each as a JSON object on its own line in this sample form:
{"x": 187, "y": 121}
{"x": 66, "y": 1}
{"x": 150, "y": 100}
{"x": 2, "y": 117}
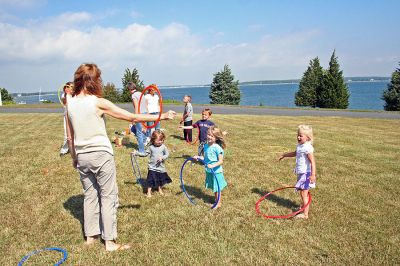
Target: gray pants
{"x": 98, "y": 178}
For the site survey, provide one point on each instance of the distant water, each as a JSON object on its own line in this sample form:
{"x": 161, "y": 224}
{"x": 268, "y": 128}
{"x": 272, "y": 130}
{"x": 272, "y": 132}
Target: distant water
{"x": 363, "y": 95}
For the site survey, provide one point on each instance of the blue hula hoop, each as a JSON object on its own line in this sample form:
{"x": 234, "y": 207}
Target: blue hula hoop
{"x": 183, "y": 185}
{"x": 139, "y": 179}
{"x": 65, "y": 255}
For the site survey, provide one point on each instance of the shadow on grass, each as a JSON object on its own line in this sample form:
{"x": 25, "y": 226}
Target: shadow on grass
{"x": 177, "y": 137}
{"x": 287, "y": 203}
{"x": 129, "y": 206}
{"x": 75, "y": 206}
{"x": 197, "y": 194}
{"x": 183, "y": 156}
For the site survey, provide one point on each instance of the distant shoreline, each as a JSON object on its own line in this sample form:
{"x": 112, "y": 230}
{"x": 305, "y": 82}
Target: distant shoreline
{"x": 245, "y": 83}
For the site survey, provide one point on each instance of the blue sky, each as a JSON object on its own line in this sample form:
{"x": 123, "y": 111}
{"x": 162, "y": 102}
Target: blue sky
{"x": 186, "y": 42}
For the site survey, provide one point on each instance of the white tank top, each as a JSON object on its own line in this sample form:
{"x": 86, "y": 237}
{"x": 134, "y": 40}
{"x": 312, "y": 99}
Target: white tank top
{"x": 89, "y": 128}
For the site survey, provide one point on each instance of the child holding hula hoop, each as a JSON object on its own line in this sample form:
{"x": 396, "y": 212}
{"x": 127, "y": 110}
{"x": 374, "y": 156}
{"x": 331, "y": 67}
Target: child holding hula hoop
{"x": 213, "y": 159}
{"x": 203, "y": 125}
{"x": 305, "y": 165}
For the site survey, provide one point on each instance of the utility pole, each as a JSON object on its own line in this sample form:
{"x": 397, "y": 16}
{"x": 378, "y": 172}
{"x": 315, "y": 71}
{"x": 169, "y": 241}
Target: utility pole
{"x": 1, "y": 103}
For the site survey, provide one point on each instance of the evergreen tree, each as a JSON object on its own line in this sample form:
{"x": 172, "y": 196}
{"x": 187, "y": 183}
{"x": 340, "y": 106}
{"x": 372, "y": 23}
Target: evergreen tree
{"x": 391, "y": 95}
{"x": 110, "y": 93}
{"x": 130, "y": 76}
{"x": 309, "y": 84}
{"x": 334, "y": 92}
{"x": 5, "y": 96}
{"x": 224, "y": 90}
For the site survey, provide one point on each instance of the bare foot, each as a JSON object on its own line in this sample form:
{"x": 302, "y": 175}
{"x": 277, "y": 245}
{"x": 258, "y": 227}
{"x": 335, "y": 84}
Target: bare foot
{"x": 112, "y": 246}
{"x": 90, "y": 240}
{"x": 148, "y": 195}
{"x": 301, "y": 216}
{"x": 161, "y": 192}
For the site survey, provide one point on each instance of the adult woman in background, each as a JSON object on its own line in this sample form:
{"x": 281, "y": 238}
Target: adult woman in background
{"x": 92, "y": 153}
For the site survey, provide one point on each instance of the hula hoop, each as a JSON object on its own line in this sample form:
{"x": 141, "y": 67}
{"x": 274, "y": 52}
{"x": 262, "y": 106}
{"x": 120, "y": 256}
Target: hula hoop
{"x": 65, "y": 255}
{"x": 139, "y": 179}
{"x": 197, "y": 139}
{"x": 59, "y": 94}
{"x": 183, "y": 185}
{"x": 159, "y": 95}
{"x": 280, "y": 216}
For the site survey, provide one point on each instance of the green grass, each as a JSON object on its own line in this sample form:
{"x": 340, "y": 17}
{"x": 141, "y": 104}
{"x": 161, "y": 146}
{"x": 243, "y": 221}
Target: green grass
{"x": 353, "y": 218}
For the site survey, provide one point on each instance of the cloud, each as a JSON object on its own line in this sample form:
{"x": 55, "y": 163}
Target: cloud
{"x": 21, "y": 3}
{"x": 167, "y": 55}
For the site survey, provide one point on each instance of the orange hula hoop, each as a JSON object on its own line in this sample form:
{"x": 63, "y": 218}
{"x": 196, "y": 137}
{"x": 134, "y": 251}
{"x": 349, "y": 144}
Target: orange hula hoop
{"x": 153, "y": 86}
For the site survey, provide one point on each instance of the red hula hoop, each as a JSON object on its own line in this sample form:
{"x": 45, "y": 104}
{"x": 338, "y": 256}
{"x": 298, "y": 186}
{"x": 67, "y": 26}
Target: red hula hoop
{"x": 280, "y": 216}
{"x": 193, "y": 142}
{"x": 159, "y": 95}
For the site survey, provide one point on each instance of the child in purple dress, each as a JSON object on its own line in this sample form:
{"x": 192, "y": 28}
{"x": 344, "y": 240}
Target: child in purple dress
{"x": 305, "y": 165}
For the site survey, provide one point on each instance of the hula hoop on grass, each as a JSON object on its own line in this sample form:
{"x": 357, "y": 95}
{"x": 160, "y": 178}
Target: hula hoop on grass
{"x": 159, "y": 95}
{"x": 280, "y": 216}
{"x": 183, "y": 185}
{"x": 193, "y": 142}
{"x": 139, "y": 179}
{"x": 63, "y": 251}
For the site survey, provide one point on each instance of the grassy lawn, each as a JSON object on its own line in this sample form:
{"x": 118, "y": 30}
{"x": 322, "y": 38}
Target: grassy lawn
{"x": 354, "y": 217}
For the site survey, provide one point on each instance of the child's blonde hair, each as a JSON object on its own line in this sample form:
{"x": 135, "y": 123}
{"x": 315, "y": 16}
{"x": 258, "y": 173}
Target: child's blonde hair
{"x": 219, "y": 136}
{"x": 306, "y": 130}
{"x": 157, "y": 134}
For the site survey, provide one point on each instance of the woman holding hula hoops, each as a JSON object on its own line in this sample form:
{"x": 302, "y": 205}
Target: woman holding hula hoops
{"x": 92, "y": 153}
{"x": 213, "y": 159}
{"x": 305, "y": 165}
{"x": 152, "y": 101}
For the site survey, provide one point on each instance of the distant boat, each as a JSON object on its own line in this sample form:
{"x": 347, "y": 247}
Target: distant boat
{"x": 22, "y": 102}
{"x": 40, "y": 99}
{"x": 371, "y": 80}
{"x": 19, "y": 94}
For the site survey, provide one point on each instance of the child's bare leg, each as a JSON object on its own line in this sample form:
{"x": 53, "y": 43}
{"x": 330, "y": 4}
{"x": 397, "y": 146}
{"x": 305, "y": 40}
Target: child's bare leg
{"x": 304, "y": 197}
{"x": 216, "y": 198}
{"x": 149, "y": 192}
{"x": 160, "y": 190}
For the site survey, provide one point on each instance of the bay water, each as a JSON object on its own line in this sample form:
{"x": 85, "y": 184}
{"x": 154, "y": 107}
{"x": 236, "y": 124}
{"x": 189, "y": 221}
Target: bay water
{"x": 363, "y": 95}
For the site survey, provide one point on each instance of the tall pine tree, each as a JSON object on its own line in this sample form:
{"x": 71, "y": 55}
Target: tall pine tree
{"x": 309, "y": 84}
{"x": 391, "y": 95}
{"x": 224, "y": 90}
{"x": 130, "y": 76}
{"x": 334, "y": 92}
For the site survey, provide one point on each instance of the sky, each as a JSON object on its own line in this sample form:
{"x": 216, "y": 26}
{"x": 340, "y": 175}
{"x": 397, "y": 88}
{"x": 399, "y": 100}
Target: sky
{"x": 185, "y": 42}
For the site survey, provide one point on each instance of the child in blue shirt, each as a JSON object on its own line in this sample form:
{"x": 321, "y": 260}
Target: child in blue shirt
{"x": 213, "y": 159}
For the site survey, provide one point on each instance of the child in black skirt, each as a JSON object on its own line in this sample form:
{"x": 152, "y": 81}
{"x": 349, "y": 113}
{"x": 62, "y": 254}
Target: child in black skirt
{"x": 157, "y": 176}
